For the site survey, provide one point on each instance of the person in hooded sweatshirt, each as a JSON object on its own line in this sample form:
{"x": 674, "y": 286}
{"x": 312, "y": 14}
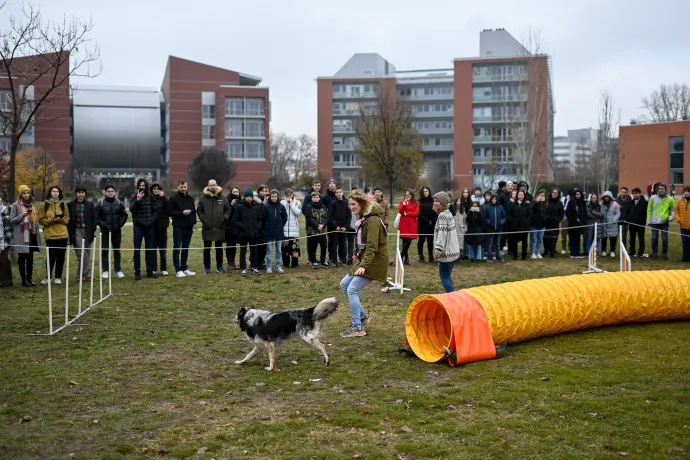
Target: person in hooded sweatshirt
{"x": 660, "y": 212}
{"x": 625, "y": 202}
{"x": 247, "y": 216}
{"x": 161, "y": 226}
{"x": 576, "y": 212}
{"x": 273, "y": 218}
{"x": 523, "y": 187}
{"x": 213, "y": 211}
{"x": 494, "y": 220}
{"x": 520, "y": 214}
{"x": 610, "y": 222}
{"x": 638, "y": 220}
{"x": 181, "y": 210}
{"x": 231, "y": 231}
{"x": 339, "y": 217}
{"x": 538, "y": 225}
{"x": 142, "y": 207}
{"x": 316, "y": 215}
{"x": 682, "y": 213}
{"x": 426, "y": 222}
{"x": 554, "y": 216}
{"x": 291, "y": 246}
{"x": 594, "y": 216}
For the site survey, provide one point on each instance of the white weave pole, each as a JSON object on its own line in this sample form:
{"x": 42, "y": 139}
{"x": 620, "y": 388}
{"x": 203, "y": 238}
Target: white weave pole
{"x": 100, "y": 262}
{"x": 93, "y": 270}
{"x": 50, "y": 292}
{"x": 67, "y": 286}
{"x": 110, "y": 263}
{"x": 81, "y": 271}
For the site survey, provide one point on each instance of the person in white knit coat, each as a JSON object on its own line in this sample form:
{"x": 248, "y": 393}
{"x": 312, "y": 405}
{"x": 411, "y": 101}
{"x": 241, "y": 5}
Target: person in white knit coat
{"x": 291, "y": 251}
{"x": 446, "y": 246}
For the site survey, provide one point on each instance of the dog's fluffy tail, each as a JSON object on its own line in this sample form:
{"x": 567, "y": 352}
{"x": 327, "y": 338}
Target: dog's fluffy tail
{"x": 325, "y": 308}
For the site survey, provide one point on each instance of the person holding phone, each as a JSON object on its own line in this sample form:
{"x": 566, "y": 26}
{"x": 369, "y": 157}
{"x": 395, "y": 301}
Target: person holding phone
{"x": 53, "y": 215}
{"x": 143, "y": 209}
{"x": 26, "y": 238}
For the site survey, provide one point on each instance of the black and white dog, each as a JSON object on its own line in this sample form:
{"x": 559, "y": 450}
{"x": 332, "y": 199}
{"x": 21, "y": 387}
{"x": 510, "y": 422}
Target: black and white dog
{"x": 264, "y": 328}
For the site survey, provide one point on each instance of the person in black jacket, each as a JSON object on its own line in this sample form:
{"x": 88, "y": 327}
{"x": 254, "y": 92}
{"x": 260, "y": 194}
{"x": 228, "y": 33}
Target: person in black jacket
{"x": 273, "y": 219}
{"x": 247, "y": 217}
{"x": 181, "y": 211}
{"x": 554, "y": 216}
{"x": 231, "y": 231}
{"x": 538, "y": 225}
{"x": 576, "y": 213}
{"x": 426, "y": 222}
{"x": 82, "y": 229}
{"x": 111, "y": 217}
{"x": 638, "y": 217}
{"x": 339, "y": 217}
{"x": 520, "y": 213}
{"x": 160, "y": 236}
{"x": 625, "y": 202}
{"x": 144, "y": 220}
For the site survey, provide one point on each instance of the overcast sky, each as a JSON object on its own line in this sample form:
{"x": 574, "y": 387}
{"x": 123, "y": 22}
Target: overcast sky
{"x": 628, "y": 46}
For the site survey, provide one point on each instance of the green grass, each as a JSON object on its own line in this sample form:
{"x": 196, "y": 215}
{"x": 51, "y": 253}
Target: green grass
{"x": 150, "y": 374}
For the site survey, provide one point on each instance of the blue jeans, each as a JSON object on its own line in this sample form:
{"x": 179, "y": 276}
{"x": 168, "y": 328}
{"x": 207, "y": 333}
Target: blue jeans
{"x": 589, "y": 239}
{"x": 148, "y": 234}
{"x": 270, "y": 245}
{"x": 536, "y": 240}
{"x": 494, "y": 246}
{"x": 663, "y": 228}
{"x": 182, "y": 237}
{"x": 351, "y": 285}
{"x": 444, "y": 270}
{"x": 685, "y": 242}
{"x": 475, "y": 252}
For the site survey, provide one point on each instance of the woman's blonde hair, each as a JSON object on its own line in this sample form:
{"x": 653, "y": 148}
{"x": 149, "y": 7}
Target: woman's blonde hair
{"x": 360, "y": 197}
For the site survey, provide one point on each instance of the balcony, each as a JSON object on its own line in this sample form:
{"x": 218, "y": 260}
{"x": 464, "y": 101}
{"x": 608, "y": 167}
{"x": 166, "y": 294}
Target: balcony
{"x": 495, "y": 118}
{"x": 445, "y": 114}
{"x": 435, "y": 130}
{"x": 345, "y": 112}
{"x": 345, "y": 147}
{"x": 482, "y": 77}
{"x": 344, "y": 129}
{"x": 355, "y": 95}
{"x": 491, "y": 160}
{"x": 236, "y": 113}
{"x": 437, "y": 148}
{"x": 499, "y": 98}
{"x": 426, "y": 97}
{"x": 493, "y": 140}
{"x": 345, "y": 164}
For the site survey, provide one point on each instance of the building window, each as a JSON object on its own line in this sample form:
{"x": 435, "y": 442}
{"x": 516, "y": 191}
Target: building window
{"x": 208, "y": 111}
{"x": 254, "y": 128}
{"x": 677, "y": 159}
{"x": 255, "y": 107}
{"x": 234, "y": 149}
{"x": 234, "y": 106}
{"x": 208, "y": 132}
{"x": 5, "y": 101}
{"x": 234, "y": 128}
{"x": 255, "y": 150}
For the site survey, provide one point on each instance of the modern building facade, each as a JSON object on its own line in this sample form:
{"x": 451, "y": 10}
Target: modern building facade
{"x": 654, "y": 152}
{"x": 207, "y": 106}
{"x": 473, "y": 118}
{"x": 571, "y": 153}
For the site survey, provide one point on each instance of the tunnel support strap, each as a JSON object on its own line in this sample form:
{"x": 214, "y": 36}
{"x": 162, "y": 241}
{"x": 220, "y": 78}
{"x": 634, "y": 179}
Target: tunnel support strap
{"x": 471, "y": 332}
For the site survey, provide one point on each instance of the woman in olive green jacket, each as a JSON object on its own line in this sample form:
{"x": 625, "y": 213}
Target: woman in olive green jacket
{"x": 370, "y": 254}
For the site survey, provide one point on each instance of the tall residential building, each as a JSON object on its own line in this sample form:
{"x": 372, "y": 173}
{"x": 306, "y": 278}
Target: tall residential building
{"x": 473, "y": 118}
{"x": 571, "y": 153}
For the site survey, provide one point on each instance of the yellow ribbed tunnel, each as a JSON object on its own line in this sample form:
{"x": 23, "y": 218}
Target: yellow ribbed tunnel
{"x": 471, "y": 321}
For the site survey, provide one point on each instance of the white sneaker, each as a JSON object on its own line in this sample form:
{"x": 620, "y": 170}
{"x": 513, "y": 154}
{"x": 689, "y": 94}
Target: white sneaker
{"x": 539, "y": 256}
{"x": 563, "y": 251}
{"x": 57, "y": 281}
{"x": 505, "y": 248}
{"x": 269, "y": 271}
{"x": 120, "y": 275}
{"x": 180, "y": 274}
{"x": 164, "y": 273}
{"x": 613, "y": 254}
{"x": 534, "y": 256}
{"x": 280, "y": 270}
{"x": 45, "y": 281}
{"x": 105, "y": 275}
{"x": 646, "y": 256}
{"x": 189, "y": 273}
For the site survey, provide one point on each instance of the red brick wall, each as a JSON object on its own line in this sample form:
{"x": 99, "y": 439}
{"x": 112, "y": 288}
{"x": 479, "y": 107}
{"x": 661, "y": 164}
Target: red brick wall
{"x": 462, "y": 124}
{"x": 643, "y": 154}
{"x": 324, "y": 127}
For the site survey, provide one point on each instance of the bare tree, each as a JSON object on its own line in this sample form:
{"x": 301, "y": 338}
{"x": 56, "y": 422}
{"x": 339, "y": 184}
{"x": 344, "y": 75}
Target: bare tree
{"x": 668, "y": 103}
{"x": 211, "y": 163}
{"x": 528, "y": 111}
{"x": 604, "y": 159}
{"x": 35, "y": 55}
{"x": 291, "y": 158}
{"x": 389, "y": 147}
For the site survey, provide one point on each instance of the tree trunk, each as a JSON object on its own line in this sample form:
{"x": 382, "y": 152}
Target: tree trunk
{"x": 12, "y": 187}
{"x": 390, "y": 192}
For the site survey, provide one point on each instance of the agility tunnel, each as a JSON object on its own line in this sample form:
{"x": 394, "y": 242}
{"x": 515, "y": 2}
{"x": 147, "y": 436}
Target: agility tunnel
{"x": 471, "y": 322}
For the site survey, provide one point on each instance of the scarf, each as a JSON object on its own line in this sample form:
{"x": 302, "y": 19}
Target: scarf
{"x": 358, "y": 224}
{"x": 28, "y": 225}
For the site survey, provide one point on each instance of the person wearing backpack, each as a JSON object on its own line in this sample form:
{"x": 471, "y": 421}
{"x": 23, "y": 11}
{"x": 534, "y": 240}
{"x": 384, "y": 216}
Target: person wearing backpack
{"x": 82, "y": 228}
{"x": 53, "y": 215}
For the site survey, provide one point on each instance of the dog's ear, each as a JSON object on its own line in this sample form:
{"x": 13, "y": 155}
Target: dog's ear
{"x": 240, "y": 315}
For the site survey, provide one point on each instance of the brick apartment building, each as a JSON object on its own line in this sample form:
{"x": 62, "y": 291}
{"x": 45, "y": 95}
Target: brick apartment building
{"x": 118, "y": 133}
{"x": 654, "y": 152}
{"x": 466, "y": 114}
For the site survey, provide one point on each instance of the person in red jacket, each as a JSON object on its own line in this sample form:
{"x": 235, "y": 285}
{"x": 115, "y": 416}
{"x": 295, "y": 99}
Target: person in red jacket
{"x": 408, "y": 210}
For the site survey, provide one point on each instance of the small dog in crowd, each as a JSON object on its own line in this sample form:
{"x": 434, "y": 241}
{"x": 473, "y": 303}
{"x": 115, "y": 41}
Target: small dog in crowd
{"x": 264, "y": 328}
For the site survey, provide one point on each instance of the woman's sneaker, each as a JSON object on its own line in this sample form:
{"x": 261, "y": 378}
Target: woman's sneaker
{"x": 352, "y": 331}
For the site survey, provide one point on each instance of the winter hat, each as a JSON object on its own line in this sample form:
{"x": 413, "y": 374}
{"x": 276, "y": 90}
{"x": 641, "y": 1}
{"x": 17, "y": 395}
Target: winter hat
{"x": 248, "y": 192}
{"x": 23, "y": 188}
{"x": 276, "y": 192}
{"x": 443, "y": 198}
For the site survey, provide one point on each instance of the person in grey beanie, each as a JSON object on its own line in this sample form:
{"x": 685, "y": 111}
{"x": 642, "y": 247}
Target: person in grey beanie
{"x": 446, "y": 246}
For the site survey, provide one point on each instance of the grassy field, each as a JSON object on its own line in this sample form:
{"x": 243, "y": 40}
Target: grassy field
{"x": 150, "y": 374}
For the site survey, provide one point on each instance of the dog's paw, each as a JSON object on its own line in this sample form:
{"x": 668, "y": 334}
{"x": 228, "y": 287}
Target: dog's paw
{"x": 327, "y": 361}
{"x": 268, "y": 368}
{"x": 274, "y": 369}
{"x": 239, "y": 362}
